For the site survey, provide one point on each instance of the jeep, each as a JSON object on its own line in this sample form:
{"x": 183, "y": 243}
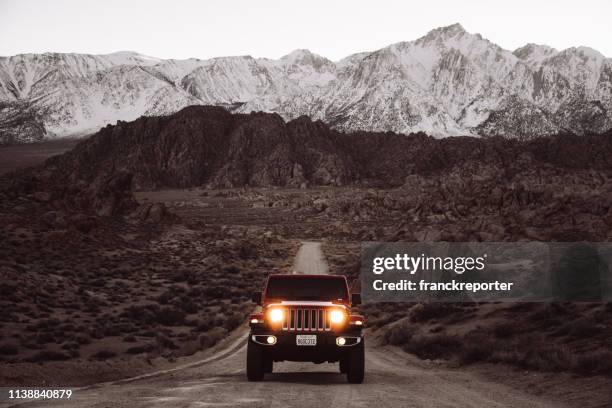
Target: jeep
{"x": 306, "y": 318}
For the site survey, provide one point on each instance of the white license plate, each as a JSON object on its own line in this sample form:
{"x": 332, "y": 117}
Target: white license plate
{"x": 306, "y": 339}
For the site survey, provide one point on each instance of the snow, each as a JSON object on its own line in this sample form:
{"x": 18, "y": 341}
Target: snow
{"x": 445, "y": 83}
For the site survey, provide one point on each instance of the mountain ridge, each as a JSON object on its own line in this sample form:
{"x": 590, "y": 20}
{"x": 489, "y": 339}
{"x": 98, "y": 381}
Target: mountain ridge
{"x": 448, "y": 82}
{"x": 209, "y": 146}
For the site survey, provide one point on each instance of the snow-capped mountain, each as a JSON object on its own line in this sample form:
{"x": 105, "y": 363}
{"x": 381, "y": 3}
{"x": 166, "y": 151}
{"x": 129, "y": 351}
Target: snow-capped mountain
{"x": 449, "y": 82}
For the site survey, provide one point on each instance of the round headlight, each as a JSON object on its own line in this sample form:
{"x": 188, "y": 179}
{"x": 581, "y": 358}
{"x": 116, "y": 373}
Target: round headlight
{"x": 276, "y": 315}
{"x": 337, "y": 316}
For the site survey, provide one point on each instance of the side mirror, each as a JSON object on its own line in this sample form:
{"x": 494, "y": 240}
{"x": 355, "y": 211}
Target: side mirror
{"x": 256, "y": 298}
{"x": 356, "y": 298}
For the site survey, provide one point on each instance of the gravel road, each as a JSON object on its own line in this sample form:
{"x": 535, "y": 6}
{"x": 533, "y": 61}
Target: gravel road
{"x": 393, "y": 379}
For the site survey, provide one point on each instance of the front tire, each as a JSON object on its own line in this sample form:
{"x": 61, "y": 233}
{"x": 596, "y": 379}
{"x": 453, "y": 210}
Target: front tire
{"x": 255, "y": 362}
{"x": 268, "y": 365}
{"x": 343, "y": 365}
{"x": 356, "y": 364}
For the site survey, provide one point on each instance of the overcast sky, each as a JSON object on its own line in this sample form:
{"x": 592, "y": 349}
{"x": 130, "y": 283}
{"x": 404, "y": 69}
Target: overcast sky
{"x": 266, "y": 28}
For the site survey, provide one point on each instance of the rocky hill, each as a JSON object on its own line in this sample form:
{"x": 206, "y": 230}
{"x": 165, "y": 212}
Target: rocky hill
{"x": 446, "y": 83}
{"x": 204, "y": 145}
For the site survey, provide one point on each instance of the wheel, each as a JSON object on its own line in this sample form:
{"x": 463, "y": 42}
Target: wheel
{"x": 268, "y": 365}
{"x": 343, "y": 365}
{"x": 255, "y": 362}
{"x": 356, "y": 364}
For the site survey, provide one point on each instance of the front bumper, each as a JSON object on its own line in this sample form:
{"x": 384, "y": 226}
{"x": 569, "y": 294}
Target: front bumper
{"x": 327, "y": 347}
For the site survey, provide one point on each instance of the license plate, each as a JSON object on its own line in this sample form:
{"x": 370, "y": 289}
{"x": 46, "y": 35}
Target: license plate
{"x": 306, "y": 340}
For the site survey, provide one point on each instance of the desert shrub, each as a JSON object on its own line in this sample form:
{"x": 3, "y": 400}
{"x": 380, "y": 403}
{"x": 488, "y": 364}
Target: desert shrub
{"x": 82, "y": 339}
{"x": 104, "y": 355}
{"x": 428, "y": 311}
{"x": 166, "y": 342}
{"x": 508, "y": 355}
{"x": 142, "y": 348}
{"x": 45, "y": 337}
{"x": 547, "y": 358}
{"x": 522, "y": 307}
{"x": 141, "y": 313}
{"x": 505, "y": 329}
{"x": 544, "y": 314}
{"x": 434, "y": 346}
{"x": 192, "y": 322}
{"x": 187, "y": 305}
{"x": 8, "y": 349}
{"x": 399, "y": 334}
{"x": 70, "y": 345}
{"x": 594, "y": 362}
{"x": 562, "y": 330}
{"x": 218, "y": 319}
{"x": 212, "y": 337}
{"x": 47, "y": 324}
{"x": 170, "y": 316}
{"x": 234, "y": 320}
{"x": 584, "y": 327}
{"x": 97, "y": 333}
{"x": 8, "y": 289}
{"x": 215, "y": 291}
{"x": 48, "y": 355}
{"x": 166, "y": 297}
{"x": 247, "y": 250}
{"x": 477, "y": 347}
{"x": 231, "y": 270}
{"x": 184, "y": 276}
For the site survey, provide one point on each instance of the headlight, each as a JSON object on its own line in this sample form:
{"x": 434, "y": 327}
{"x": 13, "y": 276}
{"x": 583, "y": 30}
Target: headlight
{"x": 276, "y": 315}
{"x": 337, "y": 316}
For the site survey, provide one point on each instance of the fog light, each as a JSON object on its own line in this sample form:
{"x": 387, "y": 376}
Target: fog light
{"x": 254, "y": 321}
{"x": 271, "y": 340}
{"x": 341, "y": 341}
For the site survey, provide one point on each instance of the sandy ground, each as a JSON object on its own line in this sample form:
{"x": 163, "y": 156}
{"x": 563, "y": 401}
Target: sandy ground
{"x": 393, "y": 379}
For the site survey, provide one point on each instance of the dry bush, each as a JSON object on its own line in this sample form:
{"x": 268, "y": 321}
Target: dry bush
{"x": 593, "y": 362}
{"x": 505, "y": 329}
{"x": 48, "y": 355}
{"x": 427, "y": 311}
{"x": 433, "y": 346}
{"x": 212, "y": 337}
{"x": 8, "y": 349}
{"x": 166, "y": 342}
{"x": 140, "y": 349}
{"x": 399, "y": 334}
{"x": 233, "y": 321}
{"x": 170, "y": 316}
{"x": 103, "y": 355}
{"x": 477, "y": 347}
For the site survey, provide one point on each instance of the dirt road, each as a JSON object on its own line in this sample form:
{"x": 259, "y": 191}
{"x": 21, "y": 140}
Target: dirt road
{"x": 393, "y": 379}
{"x": 309, "y": 259}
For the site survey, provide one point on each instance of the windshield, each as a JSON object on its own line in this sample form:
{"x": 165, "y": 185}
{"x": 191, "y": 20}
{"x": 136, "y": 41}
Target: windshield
{"x": 324, "y": 289}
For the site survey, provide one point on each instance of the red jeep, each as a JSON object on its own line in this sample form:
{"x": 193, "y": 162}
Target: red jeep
{"x": 306, "y": 318}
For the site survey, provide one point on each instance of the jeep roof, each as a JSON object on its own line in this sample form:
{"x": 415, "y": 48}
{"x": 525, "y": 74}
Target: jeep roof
{"x": 293, "y": 287}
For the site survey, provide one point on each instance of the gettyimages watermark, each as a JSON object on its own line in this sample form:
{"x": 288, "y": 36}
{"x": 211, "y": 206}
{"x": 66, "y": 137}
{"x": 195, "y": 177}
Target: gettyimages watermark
{"x": 486, "y": 271}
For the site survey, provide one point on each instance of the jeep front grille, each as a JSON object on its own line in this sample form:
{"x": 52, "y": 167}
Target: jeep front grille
{"x": 306, "y": 319}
